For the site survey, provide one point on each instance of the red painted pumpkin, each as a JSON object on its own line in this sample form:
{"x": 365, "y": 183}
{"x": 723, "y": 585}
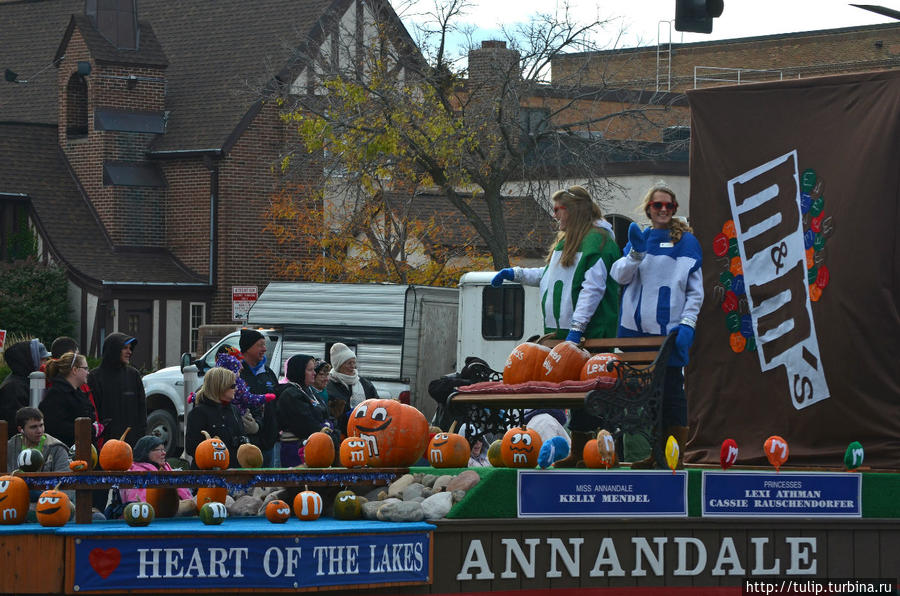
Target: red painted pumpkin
{"x": 308, "y": 505}
{"x": 520, "y": 448}
{"x": 13, "y": 500}
{"x": 395, "y": 434}
{"x": 116, "y": 455}
{"x": 596, "y": 367}
{"x": 212, "y": 454}
{"x": 449, "y": 450}
{"x": 318, "y": 450}
{"x": 53, "y": 508}
{"x": 211, "y": 494}
{"x": 524, "y": 363}
{"x": 600, "y": 453}
{"x": 353, "y": 452}
{"x": 164, "y": 501}
{"x": 564, "y": 363}
{"x": 277, "y": 511}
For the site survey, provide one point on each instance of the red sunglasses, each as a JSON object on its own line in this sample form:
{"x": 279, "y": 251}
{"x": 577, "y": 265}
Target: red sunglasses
{"x": 668, "y": 205}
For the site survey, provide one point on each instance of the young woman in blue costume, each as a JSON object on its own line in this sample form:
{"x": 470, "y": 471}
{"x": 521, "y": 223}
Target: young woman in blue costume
{"x": 662, "y": 290}
{"x": 577, "y": 296}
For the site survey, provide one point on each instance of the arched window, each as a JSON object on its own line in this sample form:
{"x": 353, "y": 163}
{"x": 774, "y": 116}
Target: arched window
{"x": 76, "y": 107}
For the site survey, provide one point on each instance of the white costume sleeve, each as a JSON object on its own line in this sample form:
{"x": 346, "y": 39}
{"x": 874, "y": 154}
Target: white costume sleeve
{"x": 592, "y": 290}
{"x": 623, "y": 269}
{"x": 528, "y": 276}
{"x": 693, "y": 298}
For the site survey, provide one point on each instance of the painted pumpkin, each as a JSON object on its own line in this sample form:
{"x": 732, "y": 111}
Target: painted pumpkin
{"x": 138, "y": 514}
{"x": 449, "y": 450}
{"x": 596, "y": 367}
{"x": 164, "y": 501}
{"x": 347, "y": 505}
{"x": 78, "y": 465}
{"x": 213, "y": 514}
{"x": 277, "y": 511}
{"x": 212, "y": 454}
{"x": 92, "y": 461}
{"x": 600, "y": 453}
{"x": 116, "y": 455}
{"x": 53, "y": 508}
{"x": 318, "y": 450}
{"x": 308, "y": 505}
{"x": 395, "y": 434}
{"x": 494, "y": 456}
{"x": 249, "y": 456}
{"x": 30, "y": 460}
{"x": 13, "y": 500}
{"x": 564, "y": 363}
{"x": 524, "y": 363}
{"x": 211, "y": 494}
{"x": 520, "y": 448}
{"x": 353, "y": 452}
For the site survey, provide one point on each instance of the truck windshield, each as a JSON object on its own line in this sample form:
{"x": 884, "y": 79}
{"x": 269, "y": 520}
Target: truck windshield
{"x": 233, "y": 341}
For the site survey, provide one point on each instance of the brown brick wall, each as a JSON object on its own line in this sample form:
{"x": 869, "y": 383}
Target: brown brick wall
{"x": 187, "y": 212}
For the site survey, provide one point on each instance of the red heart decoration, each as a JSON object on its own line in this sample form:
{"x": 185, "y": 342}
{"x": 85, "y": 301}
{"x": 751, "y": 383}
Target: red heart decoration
{"x": 104, "y": 561}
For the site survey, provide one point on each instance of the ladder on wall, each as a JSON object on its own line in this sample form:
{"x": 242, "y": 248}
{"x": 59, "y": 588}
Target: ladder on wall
{"x": 664, "y": 56}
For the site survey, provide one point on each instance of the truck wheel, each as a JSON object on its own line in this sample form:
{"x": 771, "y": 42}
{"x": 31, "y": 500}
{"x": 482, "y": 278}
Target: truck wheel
{"x": 162, "y": 424}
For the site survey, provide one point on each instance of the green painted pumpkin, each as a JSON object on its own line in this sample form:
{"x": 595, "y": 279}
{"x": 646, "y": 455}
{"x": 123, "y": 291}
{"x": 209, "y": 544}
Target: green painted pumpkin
{"x": 30, "y": 460}
{"x": 213, "y": 514}
{"x": 494, "y": 454}
{"x": 138, "y": 514}
{"x": 347, "y": 505}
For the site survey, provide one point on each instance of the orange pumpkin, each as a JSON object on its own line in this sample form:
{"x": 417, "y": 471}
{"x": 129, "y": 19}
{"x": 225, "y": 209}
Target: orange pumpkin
{"x": 524, "y": 363}
{"x": 212, "y": 454}
{"x": 78, "y": 465}
{"x": 116, "y": 455}
{"x": 395, "y": 434}
{"x": 211, "y": 494}
{"x": 308, "y": 505}
{"x": 164, "y": 501}
{"x": 318, "y": 450}
{"x": 353, "y": 452}
{"x": 13, "y": 500}
{"x": 520, "y": 448}
{"x": 600, "y": 453}
{"x": 277, "y": 511}
{"x": 449, "y": 450}
{"x": 564, "y": 363}
{"x": 596, "y": 367}
{"x": 53, "y": 508}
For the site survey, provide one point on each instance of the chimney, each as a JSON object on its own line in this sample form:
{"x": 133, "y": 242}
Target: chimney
{"x": 116, "y": 20}
{"x": 493, "y": 62}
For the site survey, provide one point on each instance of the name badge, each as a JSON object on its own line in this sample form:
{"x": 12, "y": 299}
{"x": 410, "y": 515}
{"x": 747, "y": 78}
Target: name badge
{"x": 666, "y": 244}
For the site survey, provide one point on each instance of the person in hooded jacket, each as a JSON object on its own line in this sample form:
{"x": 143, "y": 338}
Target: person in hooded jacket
{"x": 346, "y": 389}
{"x": 64, "y": 401}
{"x": 300, "y": 413}
{"x": 118, "y": 390}
{"x": 14, "y": 390}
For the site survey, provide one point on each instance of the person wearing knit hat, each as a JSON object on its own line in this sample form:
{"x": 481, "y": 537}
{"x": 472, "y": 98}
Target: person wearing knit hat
{"x": 249, "y": 337}
{"x": 346, "y": 389}
{"x": 150, "y": 456}
{"x": 261, "y": 380}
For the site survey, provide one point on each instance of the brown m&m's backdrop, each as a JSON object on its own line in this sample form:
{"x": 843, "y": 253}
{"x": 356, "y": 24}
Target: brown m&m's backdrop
{"x": 795, "y": 188}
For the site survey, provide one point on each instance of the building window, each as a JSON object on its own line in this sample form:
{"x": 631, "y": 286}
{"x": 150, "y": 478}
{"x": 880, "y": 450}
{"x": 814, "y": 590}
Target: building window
{"x": 76, "y": 107}
{"x": 198, "y": 318}
{"x": 503, "y": 312}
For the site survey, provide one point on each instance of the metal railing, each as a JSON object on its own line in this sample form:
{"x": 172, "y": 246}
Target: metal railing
{"x": 720, "y": 75}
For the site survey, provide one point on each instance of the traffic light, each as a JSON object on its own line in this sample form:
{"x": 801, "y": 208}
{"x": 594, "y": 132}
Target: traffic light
{"x": 697, "y": 15}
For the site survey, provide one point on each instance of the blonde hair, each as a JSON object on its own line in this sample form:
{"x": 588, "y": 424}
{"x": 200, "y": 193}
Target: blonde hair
{"x": 677, "y": 227}
{"x": 583, "y": 212}
{"x": 62, "y": 366}
{"x": 216, "y": 382}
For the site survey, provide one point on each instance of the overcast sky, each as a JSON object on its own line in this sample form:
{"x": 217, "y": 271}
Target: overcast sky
{"x": 638, "y": 19}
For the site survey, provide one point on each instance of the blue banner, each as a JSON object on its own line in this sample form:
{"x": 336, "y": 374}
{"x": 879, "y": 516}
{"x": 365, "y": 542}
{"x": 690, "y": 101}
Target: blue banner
{"x": 767, "y": 494}
{"x": 552, "y": 493}
{"x": 230, "y": 561}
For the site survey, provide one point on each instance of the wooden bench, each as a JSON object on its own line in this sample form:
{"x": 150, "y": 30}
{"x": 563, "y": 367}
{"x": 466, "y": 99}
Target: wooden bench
{"x": 632, "y": 405}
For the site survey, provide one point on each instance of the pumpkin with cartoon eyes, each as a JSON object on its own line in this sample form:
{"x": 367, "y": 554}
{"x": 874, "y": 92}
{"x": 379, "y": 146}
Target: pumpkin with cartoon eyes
{"x": 520, "y": 448}
{"x": 449, "y": 450}
{"x": 347, "y": 505}
{"x": 353, "y": 452}
{"x": 212, "y": 454}
{"x": 395, "y": 434}
{"x": 213, "y": 514}
{"x": 13, "y": 500}
{"x": 53, "y": 508}
{"x": 277, "y": 511}
{"x": 308, "y": 505}
{"x": 138, "y": 514}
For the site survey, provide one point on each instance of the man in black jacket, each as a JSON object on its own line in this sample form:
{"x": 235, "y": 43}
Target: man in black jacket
{"x": 260, "y": 379}
{"x": 14, "y": 390}
{"x": 118, "y": 390}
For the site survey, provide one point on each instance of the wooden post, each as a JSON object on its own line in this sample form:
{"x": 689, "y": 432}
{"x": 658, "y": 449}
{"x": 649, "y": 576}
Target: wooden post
{"x": 3, "y": 440}
{"x": 83, "y": 497}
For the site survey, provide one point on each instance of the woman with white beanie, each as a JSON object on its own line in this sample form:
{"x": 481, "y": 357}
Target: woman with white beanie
{"x": 346, "y": 389}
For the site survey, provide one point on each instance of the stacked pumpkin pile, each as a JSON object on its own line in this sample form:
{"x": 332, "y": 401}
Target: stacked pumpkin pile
{"x": 530, "y": 362}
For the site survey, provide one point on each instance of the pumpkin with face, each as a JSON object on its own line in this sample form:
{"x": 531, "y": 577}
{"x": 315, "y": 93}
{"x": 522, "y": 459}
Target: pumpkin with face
{"x": 353, "y": 452}
{"x": 449, "y": 450}
{"x": 520, "y": 448}
{"x": 138, "y": 514}
{"x": 53, "y": 508}
{"x": 277, "y": 511}
{"x": 395, "y": 434}
{"x": 347, "y": 505}
{"x": 212, "y": 454}
{"x": 13, "y": 500}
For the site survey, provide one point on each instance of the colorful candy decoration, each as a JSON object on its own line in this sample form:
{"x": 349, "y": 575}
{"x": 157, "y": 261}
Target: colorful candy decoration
{"x": 347, "y": 505}
{"x": 673, "y": 450}
{"x": 597, "y": 367}
{"x": 308, "y": 505}
{"x": 13, "y": 500}
{"x": 853, "y": 457}
{"x": 525, "y": 363}
{"x": 728, "y": 454}
{"x": 164, "y": 501}
{"x": 318, "y": 449}
{"x": 52, "y": 508}
{"x": 494, "y": 457}
{"x": 212, "y": 454}
{"x": 30, "y": 460}
{"x": 776, "y": 451}
{"x": 601, "y": 453}
{"x": 564, "y": 363}
{"x": 449, "y": 450}
{"x": 520, "y": 448}
{"x": 116, "y": 455}
{"x": 353, "y": 452}
{"x": 213, "y": 514}
{"x": 277, "y": 511}
{"x": 249, "y": 456}
{"x": 138, "y": 514}
{"x": 395, "y": 434}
